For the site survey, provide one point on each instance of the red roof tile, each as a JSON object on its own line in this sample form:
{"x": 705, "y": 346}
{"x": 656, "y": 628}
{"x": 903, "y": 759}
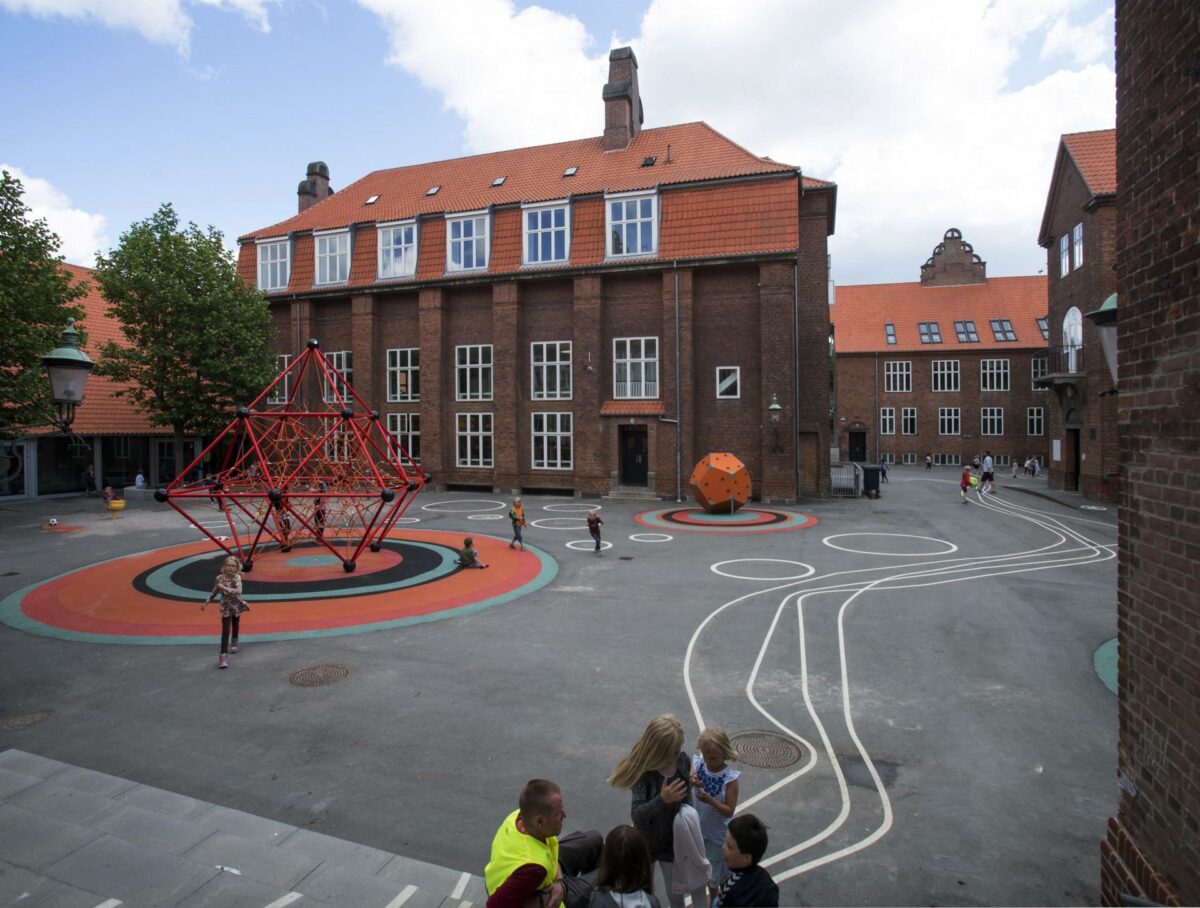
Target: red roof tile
{"x": 633, "y": 408}
{"x": 1095, "y": 154}
{"x": 861, "y": 311}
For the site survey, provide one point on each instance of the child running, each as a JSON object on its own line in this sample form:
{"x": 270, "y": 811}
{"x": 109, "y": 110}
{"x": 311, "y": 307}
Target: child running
{"x": 229, "y": 588}
{"x": 626, "y": 876}
{"x": 715, "y": 790}
{"x": 965, "y": 482}
{"x": 594, "y": 523}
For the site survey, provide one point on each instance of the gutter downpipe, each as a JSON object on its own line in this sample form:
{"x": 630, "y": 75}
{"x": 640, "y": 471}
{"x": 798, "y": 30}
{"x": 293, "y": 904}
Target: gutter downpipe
{"x": 876, "y": 414}
{"x": 678, "y": 404}
{"x": 796, "y": 348}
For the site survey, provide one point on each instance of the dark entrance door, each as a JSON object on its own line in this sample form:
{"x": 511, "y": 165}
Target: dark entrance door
{"x": 634, "y": 459}
{"x": 1072, "y": 462}
{"x": 858, "y": 447}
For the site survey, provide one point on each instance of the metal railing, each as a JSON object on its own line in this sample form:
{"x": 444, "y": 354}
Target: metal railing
{"x": 845, "y": 480}
{"x": 1066, "y": 360}
{"x": 635, "y": 390}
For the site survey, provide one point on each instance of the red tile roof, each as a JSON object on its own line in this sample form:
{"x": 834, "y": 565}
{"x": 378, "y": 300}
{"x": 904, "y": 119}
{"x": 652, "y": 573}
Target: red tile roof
{"x": 861, "y": 311}
{"x": 1095, "y": 154}
{"x": 633, "y": 408}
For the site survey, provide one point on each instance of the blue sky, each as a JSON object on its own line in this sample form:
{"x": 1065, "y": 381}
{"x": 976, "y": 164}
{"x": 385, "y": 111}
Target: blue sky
{"x": 928, "y": 113}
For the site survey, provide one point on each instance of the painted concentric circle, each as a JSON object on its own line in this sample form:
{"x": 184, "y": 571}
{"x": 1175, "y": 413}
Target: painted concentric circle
{"x": 880, "y": 548}
{"x": 772, "y": 574}
{"x": 746, "y": 520}
{"x": 588, "y": 545}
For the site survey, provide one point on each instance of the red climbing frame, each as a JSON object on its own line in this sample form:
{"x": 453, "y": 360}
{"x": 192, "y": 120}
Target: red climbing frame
{"x": 306, "y": 461}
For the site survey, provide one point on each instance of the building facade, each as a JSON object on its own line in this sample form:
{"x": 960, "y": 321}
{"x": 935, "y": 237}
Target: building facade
{"x": 587, "y": 316}
{"x": 1079, "y": 234}
{"x": 943, "y": 367}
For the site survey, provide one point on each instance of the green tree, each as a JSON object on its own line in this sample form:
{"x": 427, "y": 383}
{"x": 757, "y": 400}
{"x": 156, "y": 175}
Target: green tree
{"x": 36, "y": 297}
{"x": 198, "y": 338}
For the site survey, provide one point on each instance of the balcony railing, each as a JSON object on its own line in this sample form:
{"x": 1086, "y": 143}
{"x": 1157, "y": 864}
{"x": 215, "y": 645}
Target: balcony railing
{"x": 635, "y": 389}
{"x": 1066, "y": 360}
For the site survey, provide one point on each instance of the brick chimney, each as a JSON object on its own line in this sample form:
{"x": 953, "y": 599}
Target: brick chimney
{"x": 316, "y": 187}
{"x": 622, "y": 103}
{"x": 953, "y": 262}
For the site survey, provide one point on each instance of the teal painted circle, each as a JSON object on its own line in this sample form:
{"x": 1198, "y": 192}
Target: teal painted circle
{"x": 1104, "y": 661}
{"x": 314, "y": 561}
{"x": 722, "y": 517}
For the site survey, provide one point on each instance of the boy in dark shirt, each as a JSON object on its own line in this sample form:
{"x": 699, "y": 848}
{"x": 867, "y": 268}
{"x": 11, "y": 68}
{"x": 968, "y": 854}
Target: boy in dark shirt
{"x": 748, "y": 885}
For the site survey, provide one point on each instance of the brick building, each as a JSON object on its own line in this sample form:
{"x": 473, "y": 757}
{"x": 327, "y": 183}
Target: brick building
{"x": 944, "y": 366}
{"x": 1152, "y": 850}
{"x": 590, "y": 315}
{"x": 1079, "y": 234}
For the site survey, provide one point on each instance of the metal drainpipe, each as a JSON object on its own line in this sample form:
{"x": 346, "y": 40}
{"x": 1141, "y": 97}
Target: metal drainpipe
{"x": 678, "y": 404}
{"x": 876, "y": 414}
{"x": 796, "y": 379}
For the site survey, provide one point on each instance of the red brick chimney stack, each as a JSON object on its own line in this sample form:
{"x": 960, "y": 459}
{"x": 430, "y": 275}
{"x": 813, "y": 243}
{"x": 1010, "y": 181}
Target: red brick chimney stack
{"x": 316, "y": 187}
{"x": 622, "y": 103}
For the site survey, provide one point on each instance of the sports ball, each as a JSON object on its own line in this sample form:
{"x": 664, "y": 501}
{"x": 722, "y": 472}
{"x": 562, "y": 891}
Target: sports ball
{"x": 53, "y": 521}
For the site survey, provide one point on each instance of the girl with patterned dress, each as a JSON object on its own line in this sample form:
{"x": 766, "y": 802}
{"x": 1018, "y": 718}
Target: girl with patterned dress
{"x": 229, "y": 588}
{"x": 517, "y": 515}
{"x": 715, "y": 792}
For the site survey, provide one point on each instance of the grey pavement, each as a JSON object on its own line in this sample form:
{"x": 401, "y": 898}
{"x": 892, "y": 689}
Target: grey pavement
{"x": 958, "y": 747}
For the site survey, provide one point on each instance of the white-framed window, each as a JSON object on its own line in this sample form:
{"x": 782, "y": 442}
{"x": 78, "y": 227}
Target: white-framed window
{"x": 397, "y": 250}
{"x": 550, "y": 370}
{"x": 635, "y": 367}
{"x": 993, "y": 375}
{"x": 887, "y": 457}
{"x": 1044, "y": 326}
{"x": 908, "y": 421}
{"x": 889, "y": 331}
{"x": 1038, "y": 367}
{"x": 279, "y": 394}
{"x": 473, "y": 372}
{"x": 1064, "y": 255}
{"x": 342, "y": 363}
{"x": 1035, "y": 421}
{"x": 547, "y": 233}
{"x": 337, "y": 442}
{"x": 729, "y": 382}
{"x": 1002, "y": 328}
{"x": 930, "y": 332}
{"x": 949, "y": 421}
{"x": 406, "y": 429}
{"x": 632, "y": 224}
{"x": 1077, "y": 236}
{"x": 274, "y": 265}
{"x": 333, "y": 257}
{"x": 947, "y": 460}
{"x": 945, "y": 375}
{"x": 467, "y": 241}
{"x": 966, "y": 332}
{"x": 897, "y": 376}
{"x": 473, "y": 433}
{"x": 887, "y": 420}
{"x": 908, "y": 458}
{"x": 403, "y": 374}
{"x": 991, "y": 421}
{"x": 552, "y": 437}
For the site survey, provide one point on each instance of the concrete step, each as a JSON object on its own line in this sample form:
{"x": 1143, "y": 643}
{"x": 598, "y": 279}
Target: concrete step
{"x": 630, "y": 495}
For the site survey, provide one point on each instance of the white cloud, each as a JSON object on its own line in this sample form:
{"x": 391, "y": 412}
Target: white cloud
{"x": 82, "y": 233}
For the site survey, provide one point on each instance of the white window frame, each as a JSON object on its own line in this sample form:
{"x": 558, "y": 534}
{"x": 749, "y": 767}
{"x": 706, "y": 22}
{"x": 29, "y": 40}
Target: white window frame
{"x": 1064, "y": 255}
{"x": 908, "y": 458}
{"x": 480, "y": 220}
{"x": 945, "y": 373}
{"x": 403, "y": 362}
{"x": 554, "y": 368}
{"x": 947, "y": 460}
{"x": 897, "y": 376}
{"x": 1035, "y": 421}
{"x": 530, "y": 247}
{"x": 908, "y": 421}
{"x": 473, "y": 372}
{"x": 887, "y": 420}
{"x": 342, "y": 363}
{"x": 474, "y": 430}
{"x": 406, "y": 429}
{"x": 994, "y": 375}
{"x": 386, "y": 252}
{"x": 610, "y": 224}
{"x": 331, "y": 267}
{"x": 640, "y": 363}
{"x": 1035, "y": 373}
{"x": 949, "y": 421}
{"x": 280, "y": 393}
{"x": 1077, "y": 236}
{"x": 556, "y": 434}
{"x": 278, "y": 266}
{"x": 991, "y": 420}
{"x": 337, "y": 445}
{"x": 725, "y": 375}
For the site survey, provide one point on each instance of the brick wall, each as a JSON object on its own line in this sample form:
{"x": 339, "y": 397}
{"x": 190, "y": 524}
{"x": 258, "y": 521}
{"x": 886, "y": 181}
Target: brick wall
{"x": 1158, "y": 579}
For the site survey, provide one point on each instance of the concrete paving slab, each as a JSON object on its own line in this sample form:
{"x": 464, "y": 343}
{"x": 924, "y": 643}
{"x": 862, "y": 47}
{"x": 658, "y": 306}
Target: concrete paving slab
{"x": 245, "y": 825}
{"x": 429, "y": 878}
{"x": 63, "y": 803}
{"x": 70, "y": 897}
{"x": 30, "y": 764}
{"x": 227, "y": 890}
{"x": 19, "y": 886}
{"x": 97, "y": 783}
{"x": 347, "y": 855}
{"x": 132, "y": 873}
{"x": 34, "y": 841}
{"x": 265, "y": 863}
{"x": 338, "y": 886}
{"x": 149, "y": 827}
{"x": 13, "y": 782}
{"x": 165, "y": 802}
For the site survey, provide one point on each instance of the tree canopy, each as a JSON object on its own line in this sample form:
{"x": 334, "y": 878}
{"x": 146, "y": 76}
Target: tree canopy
{"x": 36, "y": 297}
{"x": 198, "y": 338}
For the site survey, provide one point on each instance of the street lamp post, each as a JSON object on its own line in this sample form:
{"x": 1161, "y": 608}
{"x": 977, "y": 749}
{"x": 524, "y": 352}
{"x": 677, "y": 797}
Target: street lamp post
{"x": 774, "y": 412}
{"x": 67, "y": 368}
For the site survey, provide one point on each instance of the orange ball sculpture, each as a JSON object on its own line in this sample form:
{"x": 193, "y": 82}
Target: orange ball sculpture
{"x": 720, "y": 483}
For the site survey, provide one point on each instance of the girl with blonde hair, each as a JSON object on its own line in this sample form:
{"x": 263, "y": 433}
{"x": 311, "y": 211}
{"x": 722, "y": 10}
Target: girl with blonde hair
{"x": 228, "y": 587}
{"x": 715, "y": 785}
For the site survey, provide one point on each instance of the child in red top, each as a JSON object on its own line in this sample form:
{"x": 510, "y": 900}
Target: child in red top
{"x": 965, "y": 482}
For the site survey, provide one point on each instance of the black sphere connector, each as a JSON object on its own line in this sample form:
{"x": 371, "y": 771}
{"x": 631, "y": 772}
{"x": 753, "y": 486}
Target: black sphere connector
{"x": 375, "y": 415}
{"x": 160, "y": 495}
{"x": 375, "y": 546}
{"x": 347, "y": 413}
{"x": 313, "y": 343}
{"x": 243, "y": 412}
{"x": 247, "y": 567}
{"x": 348, "y": 566}
{"x": 276, "y": 495}
{"x": 387, "y": 495}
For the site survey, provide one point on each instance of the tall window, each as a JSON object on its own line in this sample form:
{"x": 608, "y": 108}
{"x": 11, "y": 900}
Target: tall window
{"x": 930, "y": 332}
{"x": 1077, "y": 235}
{"x": 547, "y": 234}
{"x": 1072, "y": 337}
{"x": 280, "y": 393}
{"x": 729, "y": 382}
{"x": 342, "y": 362}
{"x": 889, "y": 331}
{"x": 473, "y": 433}
{"x": 1035, "y": 421}
{"x": 552, "y": 441}
{"x": 991, "y": 421}
{"x": 333, "y": 257}
{"x": 403, "y": 374}
{"x": 397, "y": 250}
{"x": 949, "y": 421}
{"x": 945, "y": 375}
{"x": 550, "y": 367}
{"x": 908, "y": 421}
{"x": 1064, "y": 256}
{"x": 1038, "y": 367}
{"x": 993, "y": 375}
{"x": 473, "y": 372}
{"x": 632, "y": 225}
{"x": 406, "y": 429}
{"x": 897, "y": 376}
{"x": 1044, "y": 327}
{"x": 635, "y": 367}
{"x": 274, "y": 264}
{"x": 467, "y": 242}
{"x": 887, "y": 420}
{"x": 966, "y": 332}
{"x": 1003, "y": 330}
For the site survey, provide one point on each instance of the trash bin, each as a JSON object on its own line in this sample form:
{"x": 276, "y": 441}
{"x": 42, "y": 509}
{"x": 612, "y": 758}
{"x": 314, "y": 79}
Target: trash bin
{"x": 870, "y": 480}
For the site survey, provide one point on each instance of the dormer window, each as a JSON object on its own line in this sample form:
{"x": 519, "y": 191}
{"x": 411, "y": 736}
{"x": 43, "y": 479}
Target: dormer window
{"x": 274, "y": 264}
{"x": 397, "y": 250}
{"x": 547, "y": 233}
{"x": 632, "y": 224}
{"x": 467, "y": 241}
{"x": 333, "y": 257}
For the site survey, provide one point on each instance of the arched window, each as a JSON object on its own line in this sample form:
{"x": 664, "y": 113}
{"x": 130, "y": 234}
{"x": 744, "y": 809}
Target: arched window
{"x": 1072, "y": 335}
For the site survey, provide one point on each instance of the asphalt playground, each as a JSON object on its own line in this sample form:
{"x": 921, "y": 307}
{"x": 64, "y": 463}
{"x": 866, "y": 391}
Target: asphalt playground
{"x": 921, "y": 674}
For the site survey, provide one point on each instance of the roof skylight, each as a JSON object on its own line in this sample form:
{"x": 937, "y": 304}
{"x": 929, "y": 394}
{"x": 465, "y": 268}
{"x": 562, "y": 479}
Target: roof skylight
{"x": 432, "y": 190}
{"x": 372, "y": 200}
{"x": 499, "y": 181}
{"x": 570, "y": 171}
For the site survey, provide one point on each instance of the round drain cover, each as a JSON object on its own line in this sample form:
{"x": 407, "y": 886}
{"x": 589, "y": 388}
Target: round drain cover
{"x": 319, "y": 675}
{"x": 766, "y": 749}
{"x": 24, "y": 720}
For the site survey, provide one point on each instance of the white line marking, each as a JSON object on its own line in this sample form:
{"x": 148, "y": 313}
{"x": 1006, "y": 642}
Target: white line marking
{"x": 284, "y": 900}
{"x": 461, "y": 887}
{"x": 111, "y": 903}
{"x": 403, "y": 897}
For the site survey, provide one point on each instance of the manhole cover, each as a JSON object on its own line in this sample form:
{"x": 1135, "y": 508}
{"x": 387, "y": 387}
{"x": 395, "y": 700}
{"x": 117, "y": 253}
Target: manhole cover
{"x": 766, "y": 749}
{"x": 319, "y": 675}
{"x": 24, "y": 720}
